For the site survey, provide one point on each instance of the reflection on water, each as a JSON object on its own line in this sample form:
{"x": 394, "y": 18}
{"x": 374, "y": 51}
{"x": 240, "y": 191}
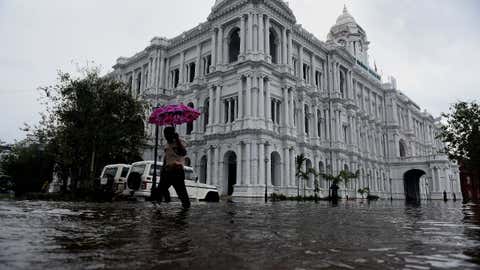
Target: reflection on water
{"x": 239, "y": 235}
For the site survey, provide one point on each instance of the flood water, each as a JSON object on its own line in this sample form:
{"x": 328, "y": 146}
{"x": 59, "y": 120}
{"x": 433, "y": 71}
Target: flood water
{"x": 239, "y": 235}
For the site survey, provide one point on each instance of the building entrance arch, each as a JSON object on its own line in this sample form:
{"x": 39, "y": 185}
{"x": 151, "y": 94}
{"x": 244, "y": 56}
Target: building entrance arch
{"x": 230, "y": 161}
{"x": 276, "y": 169}
{"x": 411, "y": 182}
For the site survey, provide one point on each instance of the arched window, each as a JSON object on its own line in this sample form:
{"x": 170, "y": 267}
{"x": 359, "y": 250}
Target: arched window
{"x": 234, "y": 46}
{"x": 206, "y": 107}
{"x": 402, "y": 148}
{"x": 191, "y": 72}
{"x": 273, "y": 46}
{"x": 190, "y": 125}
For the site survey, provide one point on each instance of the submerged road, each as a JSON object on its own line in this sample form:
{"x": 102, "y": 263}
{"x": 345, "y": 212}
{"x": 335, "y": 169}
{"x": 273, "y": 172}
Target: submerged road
{"x": 239, "y": 235}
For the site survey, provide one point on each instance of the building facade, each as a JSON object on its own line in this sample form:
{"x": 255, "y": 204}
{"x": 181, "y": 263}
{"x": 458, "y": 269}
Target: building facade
{"x": 269, "y": 91}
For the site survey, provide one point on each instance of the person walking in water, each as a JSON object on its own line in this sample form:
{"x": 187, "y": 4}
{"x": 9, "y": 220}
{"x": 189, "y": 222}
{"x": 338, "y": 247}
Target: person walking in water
{"x": 172, "y": 171}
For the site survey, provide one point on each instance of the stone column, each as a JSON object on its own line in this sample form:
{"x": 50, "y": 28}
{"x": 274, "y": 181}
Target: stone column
{"x": 284, "y": 46}
{"x": 285, "y": 106}
{"x": 199, "y": 57}
{"x": 220, "y": 55}
{"x": 248, "y": 158}
{"x": 248, "y": 100}
{"x": 161, "y": 82}
{"x": 261, "y": 98}
{"x": 255, "y": 96}
{"x": 268, "y": 101}
{"x": 255, "y": 161}
{"x": 240, "y": 98}
{"x": 221, "y": 170}
{"x": 168, "y": 79}
{"x": 240, "y": 181}
{"x": 217, "y": 103}
{"x": 300, "y": 60}
{"x": 292, "y": 109}
{"x": 312, "y": 71}
{"x": 261, "y": 157}
{"x": 315, "y": 124}
{"x": 268, "y": 165}
{"x": 214, "y": 47}
{"x": 290, "y": 49}
{"x": 250, "y": 33}
{"x": 210, "y": 158}
{"x": 267, "y": 38}
{"x": 242, "y": 35}
{"x": 215, "y": 168}
{"x": 210, "y": 106}
{"x": 293, "y": 167}
{"x": 182, "y": 67}
{"x": 285, "y": 168}
{"x": 261, "y": 34}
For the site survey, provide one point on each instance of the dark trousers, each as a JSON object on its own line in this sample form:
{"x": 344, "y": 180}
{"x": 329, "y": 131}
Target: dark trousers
{"x": 175, "y": 178}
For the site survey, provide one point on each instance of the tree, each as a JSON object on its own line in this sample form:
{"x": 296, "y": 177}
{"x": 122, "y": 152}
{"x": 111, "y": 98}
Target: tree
{"x": 302, "y": 174}
{"x": 29, "y": 165}
{"x": 90, "y": 121}
{"x": 343, "y": 177}
{"x": 363, "y": 191}
{"x": 461, "y": 133}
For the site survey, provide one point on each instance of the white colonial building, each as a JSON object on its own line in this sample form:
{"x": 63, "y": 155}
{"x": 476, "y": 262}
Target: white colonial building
{"x": 269, "y": 90}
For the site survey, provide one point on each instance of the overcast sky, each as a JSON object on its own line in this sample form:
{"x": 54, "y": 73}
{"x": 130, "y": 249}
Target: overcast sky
{"x": 432, "y": 47}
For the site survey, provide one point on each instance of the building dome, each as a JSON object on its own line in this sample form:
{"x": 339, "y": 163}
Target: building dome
{"x": 345, "y": 18}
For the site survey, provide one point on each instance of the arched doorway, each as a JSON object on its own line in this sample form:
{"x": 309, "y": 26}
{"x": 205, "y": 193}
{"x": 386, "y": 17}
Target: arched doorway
{"x": 411, "y": 181}
{"x": 230, "y": 161}
{"x": 276, "y": 169}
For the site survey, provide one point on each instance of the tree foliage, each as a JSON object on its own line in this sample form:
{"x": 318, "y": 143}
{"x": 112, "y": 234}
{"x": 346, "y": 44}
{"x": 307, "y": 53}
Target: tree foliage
{"x": 461, "y": 133}
{"x": 30, "y": 167}
{"x": 90, "y": 121}
{"x": 302, "y": 174}
{"x": 343, "y": 177}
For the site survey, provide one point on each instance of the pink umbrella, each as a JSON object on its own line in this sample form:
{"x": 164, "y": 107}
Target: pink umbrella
{"x": 175, "y": 114}
{"x": 169, "y": 115}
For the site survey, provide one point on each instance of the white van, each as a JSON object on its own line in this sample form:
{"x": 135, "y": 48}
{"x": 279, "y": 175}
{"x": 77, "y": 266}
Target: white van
{"x": 119, "y": 173}
{"x": 141, "y": 187}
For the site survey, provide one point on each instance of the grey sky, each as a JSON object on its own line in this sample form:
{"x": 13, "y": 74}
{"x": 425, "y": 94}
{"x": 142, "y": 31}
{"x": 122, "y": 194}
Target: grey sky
{"x": 430, "y": 46}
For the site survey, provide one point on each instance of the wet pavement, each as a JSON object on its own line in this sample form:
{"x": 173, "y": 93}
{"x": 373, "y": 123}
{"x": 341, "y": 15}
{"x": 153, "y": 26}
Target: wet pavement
{"x": 239, "y": 235}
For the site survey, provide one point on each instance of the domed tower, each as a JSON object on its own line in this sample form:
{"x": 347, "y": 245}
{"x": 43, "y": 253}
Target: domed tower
{"x": 346, "y": 32}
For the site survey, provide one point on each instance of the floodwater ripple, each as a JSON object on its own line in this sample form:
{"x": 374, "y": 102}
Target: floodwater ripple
{"x": 239, "y": 235}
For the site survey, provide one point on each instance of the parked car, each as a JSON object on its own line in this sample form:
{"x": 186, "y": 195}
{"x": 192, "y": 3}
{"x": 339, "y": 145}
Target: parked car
{"x": 140, "y": 176}
{"x": 114, "y": 177}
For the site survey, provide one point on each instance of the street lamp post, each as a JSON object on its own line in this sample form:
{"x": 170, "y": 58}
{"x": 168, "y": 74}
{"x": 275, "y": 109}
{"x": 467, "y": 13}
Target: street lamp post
{"x": 155, "y": 159}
